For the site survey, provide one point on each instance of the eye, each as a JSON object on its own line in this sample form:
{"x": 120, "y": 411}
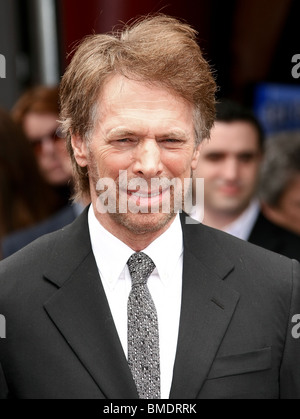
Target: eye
{"x": 124, "y": 142}
{"x": 214, "y": 157}
{"x": 246, "y": 158}
{"x": 171, "y": 142}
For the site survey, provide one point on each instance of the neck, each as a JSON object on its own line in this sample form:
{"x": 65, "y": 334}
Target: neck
{"x": 136, "y": 239}
{"x": 219, "y": 220}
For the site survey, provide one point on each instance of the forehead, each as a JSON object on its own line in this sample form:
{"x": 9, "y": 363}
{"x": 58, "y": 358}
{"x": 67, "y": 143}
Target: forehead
{"x": 133, "y": 100}
{"x": 232, "y": 137}
{"x": 39, "y": 124}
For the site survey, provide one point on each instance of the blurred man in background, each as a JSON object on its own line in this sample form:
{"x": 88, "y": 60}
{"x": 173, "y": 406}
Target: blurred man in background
{"x": 230, "y": 164}
{"x": 280, "y": 181}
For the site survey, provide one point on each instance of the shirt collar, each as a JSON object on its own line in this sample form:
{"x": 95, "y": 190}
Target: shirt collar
{"x": 111, "y": 254}
{"x": 165, "y": 251}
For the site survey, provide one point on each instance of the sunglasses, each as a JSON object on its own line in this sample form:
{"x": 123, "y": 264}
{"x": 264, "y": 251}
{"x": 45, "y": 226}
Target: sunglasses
{"x": 54, "y": 137}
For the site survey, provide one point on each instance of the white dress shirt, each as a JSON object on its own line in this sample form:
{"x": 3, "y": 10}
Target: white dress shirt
{"x": 165, "y": 286}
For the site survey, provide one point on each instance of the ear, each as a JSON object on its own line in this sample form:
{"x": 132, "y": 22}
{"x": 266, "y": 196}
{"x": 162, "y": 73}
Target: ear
{"x": 80, "y": 150}
{"x": 196, "y": 156}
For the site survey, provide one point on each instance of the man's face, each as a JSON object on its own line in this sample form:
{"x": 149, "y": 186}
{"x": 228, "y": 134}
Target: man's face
{"x": 230, "y": 163}
{"x": 147, "y": 132}
{"x": 50, "y": 150}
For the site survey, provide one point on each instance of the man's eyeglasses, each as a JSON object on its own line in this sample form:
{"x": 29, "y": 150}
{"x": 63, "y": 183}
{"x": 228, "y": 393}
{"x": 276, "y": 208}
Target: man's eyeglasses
{"x": 53, "y": 137}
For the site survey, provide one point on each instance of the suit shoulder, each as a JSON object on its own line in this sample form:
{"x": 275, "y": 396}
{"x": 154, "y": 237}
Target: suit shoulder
{"x": 21, "y": 274}
{"x": 16, "y": 241}
{"x": 236, "y": 247}
{"x": 257, "y": 274}
{"x": 32, "y": 255}
{"x": 248, "y": 259}
{"x": 268, "y": 270}
{"x": 26, "y": 273}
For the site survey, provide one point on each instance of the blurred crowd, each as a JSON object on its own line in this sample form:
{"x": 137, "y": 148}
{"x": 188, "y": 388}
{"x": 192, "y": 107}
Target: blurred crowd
{"x": 252, "y": 183}
{"x": 35, "y": 171}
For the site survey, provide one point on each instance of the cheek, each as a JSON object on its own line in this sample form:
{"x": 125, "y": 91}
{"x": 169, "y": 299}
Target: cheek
{"x": 178, "y": 164}
{"x": 250, "y": 174}
{"x": 177, "y": 168}
{"x": 208, "y": 172}
{"x": 109, "y": 163}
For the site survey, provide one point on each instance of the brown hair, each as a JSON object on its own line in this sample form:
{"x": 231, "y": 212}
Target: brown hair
{"x": 156, "y": 49}
{"x": 39, "y": 99}
{"x": 24, "y": 196}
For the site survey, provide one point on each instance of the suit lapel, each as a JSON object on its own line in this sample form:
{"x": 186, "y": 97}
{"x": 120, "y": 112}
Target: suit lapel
{"x": 208, "y": 305}
{"x": 81, "y": 312}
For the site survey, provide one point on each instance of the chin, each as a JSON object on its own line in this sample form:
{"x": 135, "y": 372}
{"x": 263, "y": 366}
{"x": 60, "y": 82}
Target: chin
{"x": 234, "y": 208}
{"x": 143, "y": 223}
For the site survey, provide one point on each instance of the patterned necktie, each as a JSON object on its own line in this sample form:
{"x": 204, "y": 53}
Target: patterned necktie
{"x": 143, "y": 338}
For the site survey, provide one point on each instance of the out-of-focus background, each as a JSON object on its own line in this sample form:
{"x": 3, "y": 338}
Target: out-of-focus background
{"x": 253, "y": 45}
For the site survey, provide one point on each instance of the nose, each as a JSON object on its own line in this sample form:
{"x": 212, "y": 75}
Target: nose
{"x": 147, "y": 162}
{"x": 48, "y": 146}
{"x": 231, "y": 170}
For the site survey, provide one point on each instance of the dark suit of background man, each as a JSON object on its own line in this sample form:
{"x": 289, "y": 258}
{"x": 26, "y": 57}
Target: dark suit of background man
{"x": 141, "y": 103}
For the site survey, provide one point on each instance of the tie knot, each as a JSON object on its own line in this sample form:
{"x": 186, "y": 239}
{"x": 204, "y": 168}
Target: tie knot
{"x": 140, "y": 268}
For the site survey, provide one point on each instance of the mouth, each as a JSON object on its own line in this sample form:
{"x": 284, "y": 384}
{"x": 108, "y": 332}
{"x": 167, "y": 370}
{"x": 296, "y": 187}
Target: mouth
{"x": 144, "y": 195}
{"x": 230, "y": 190}
{"x": 147, "y": 200}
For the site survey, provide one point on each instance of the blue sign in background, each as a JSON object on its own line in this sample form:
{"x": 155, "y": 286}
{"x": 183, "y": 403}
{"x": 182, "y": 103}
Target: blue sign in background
{"x": 278, "y": 107}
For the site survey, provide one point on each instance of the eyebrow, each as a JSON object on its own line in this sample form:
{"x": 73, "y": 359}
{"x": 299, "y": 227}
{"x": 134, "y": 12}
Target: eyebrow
{"x": 176, "y": 134}
{"x": 124, "y": 132}
{"x": 119, "y": 132}
{"x": 223, "y": 153}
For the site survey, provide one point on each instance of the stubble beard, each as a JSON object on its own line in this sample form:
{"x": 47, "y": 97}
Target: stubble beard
{"x": 140, "y": 223}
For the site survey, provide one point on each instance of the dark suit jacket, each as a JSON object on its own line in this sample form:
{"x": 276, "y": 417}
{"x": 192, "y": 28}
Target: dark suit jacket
{"x": 16, "y": 241}
{"x": 272, "y": 237}
{"x": 235, "y": 338}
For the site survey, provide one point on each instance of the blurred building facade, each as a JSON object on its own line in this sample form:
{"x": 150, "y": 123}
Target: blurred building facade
{"x": 247, "y": 42}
